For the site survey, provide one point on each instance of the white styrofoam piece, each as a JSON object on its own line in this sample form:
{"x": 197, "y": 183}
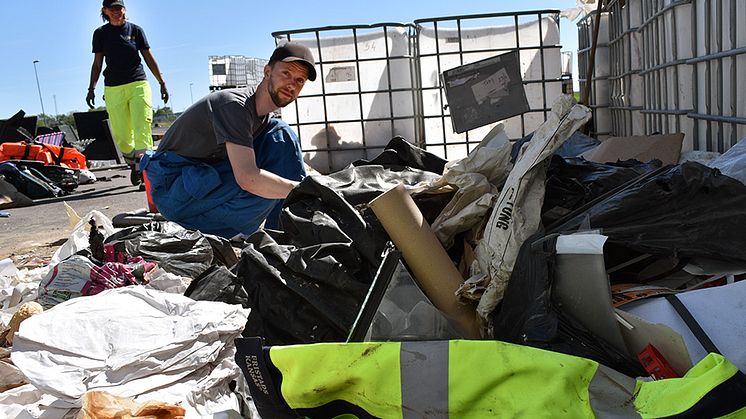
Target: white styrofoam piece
{"x": 719, "y": 311}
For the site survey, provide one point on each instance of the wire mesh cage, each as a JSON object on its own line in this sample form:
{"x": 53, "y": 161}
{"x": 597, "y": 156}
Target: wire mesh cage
{"x": 447, "y": 42}
{"x": 383, "y": 80}
{"x": 365, "y": 93}
{"x": 678, "y": 66}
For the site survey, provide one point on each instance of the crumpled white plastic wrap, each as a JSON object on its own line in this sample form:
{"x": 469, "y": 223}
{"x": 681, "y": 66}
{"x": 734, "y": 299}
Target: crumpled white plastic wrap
{"x": 17, "y": 286}
{"x": 134, "y": 342}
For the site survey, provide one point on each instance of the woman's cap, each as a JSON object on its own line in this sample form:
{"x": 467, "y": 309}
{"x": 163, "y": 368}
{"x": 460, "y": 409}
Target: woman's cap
{"x": 112, "y": 3}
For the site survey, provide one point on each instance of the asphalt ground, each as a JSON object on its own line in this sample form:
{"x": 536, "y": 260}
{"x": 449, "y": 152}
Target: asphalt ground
{"x": 30, "y": 235}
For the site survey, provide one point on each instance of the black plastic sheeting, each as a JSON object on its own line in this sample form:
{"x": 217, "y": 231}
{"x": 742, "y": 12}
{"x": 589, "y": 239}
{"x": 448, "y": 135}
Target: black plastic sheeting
{"x": 399, "y": 152}
{"x": 529, "y": 316}
{"x": 685, "y": 211}
{"x": 306, "y": 283}
{"x": 217, "y": 283}
{"x": 688, "y": 210}
{"x": 175, "y": 249}
{"x": 573, "y": 182}
{"x": 577, "y": 144}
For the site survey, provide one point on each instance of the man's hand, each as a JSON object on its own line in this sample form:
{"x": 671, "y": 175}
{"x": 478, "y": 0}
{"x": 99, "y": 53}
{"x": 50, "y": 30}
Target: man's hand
{"x": 90, "y": 98}
{"x": 164, "y": 92}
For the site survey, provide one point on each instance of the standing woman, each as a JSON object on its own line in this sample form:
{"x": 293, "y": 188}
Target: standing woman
{"x": 126, "y": 89}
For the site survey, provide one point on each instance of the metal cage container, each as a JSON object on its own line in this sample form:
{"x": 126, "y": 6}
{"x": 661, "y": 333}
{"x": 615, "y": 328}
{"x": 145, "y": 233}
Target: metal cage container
{"x": 229, "y": 71}
{"x": 383, "y": 80}
{"x": 681, "y": 65}
{"x": 365, "y": 93}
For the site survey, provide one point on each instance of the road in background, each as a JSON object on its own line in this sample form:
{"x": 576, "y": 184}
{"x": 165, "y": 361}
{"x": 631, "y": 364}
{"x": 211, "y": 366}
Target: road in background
{"x": 35, "y": 232}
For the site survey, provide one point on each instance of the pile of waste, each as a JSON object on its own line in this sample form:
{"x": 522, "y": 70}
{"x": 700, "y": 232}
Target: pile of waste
{"x": 34, "y": 167}
{"x": 553, "y": 274}
{"x": 33, "y": 170}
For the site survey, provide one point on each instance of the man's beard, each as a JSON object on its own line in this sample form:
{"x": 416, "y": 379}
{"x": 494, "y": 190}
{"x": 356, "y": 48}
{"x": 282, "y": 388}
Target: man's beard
{"x": 276, "y": 98}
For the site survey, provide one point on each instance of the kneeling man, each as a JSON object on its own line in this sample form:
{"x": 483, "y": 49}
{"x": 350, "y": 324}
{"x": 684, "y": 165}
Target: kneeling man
{"x": 225, "y": 166}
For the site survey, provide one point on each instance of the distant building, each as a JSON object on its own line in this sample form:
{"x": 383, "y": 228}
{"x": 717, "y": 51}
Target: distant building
{"x": 229, "y": 71}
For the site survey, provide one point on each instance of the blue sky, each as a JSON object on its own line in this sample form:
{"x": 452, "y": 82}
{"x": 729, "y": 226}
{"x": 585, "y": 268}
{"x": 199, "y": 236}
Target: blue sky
{"x": 182, "y": 34}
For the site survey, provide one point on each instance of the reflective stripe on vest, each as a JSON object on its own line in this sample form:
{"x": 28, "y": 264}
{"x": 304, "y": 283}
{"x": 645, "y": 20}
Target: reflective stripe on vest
{"x": 611, "y": 394}
{"x": 423, "y": 367}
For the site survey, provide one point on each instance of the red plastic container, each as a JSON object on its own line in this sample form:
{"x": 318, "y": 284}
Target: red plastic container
{"x": 151, "y": 205}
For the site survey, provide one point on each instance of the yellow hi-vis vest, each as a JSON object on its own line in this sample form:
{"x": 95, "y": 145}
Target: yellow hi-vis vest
{"x": 472, "y": 379}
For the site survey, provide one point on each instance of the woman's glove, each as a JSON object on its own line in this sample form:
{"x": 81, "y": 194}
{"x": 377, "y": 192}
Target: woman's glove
{"x": 164, "y": 92}
{"x": 90, "y": 98}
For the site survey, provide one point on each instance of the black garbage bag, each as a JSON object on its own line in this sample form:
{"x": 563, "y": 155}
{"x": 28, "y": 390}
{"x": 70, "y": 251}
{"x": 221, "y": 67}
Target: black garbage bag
{"x": 577, "y": 144}
{"x": 308, "y": 295}
{"x": 573, "y": 182}
{"x": 219, "y": 284}
{"x": 686, "y": 211}
{"x": 175, "y": 249}
{"x": 529, "y": 316}
{"x": 399, "y": 152}
{"x": 306, "y": 283}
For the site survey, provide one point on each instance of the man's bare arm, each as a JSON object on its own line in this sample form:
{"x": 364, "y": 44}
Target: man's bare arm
{"x": 253, "y": 179}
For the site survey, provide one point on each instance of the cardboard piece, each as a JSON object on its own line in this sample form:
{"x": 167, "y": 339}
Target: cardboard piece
{"x": 666, "y": 148}
{"x": 433, "y": 270}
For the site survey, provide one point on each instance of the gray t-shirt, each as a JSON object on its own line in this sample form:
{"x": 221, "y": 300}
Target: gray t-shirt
{"x": 223, "y": 116}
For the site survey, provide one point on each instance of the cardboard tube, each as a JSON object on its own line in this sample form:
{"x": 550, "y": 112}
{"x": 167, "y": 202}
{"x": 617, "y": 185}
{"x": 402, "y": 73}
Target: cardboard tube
{"x": 433, "y": 270}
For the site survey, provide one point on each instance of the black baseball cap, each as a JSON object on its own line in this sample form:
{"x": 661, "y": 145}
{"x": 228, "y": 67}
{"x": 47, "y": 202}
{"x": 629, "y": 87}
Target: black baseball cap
{"x": 112, "y": 3}
{"x": 291, "y": 51}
